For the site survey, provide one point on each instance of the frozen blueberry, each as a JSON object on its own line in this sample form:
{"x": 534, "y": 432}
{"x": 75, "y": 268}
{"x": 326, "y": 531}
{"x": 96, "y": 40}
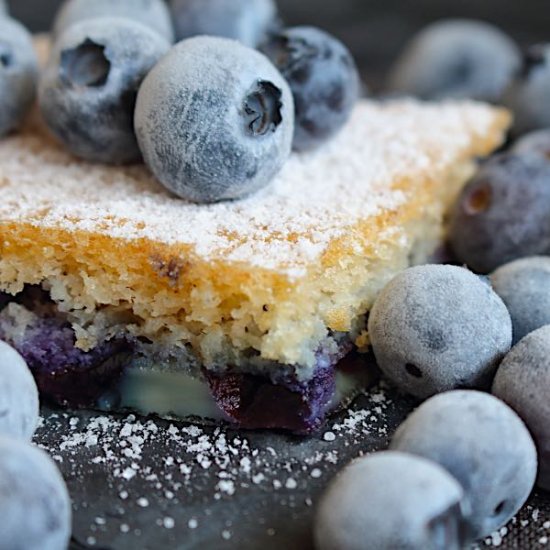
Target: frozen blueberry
{"x": 391, "y": 500}
{"x": 152, "y": 13}
{"x": 18, "y": 395}
{"x": 439, "y": 327}
{"x": 503, "y": 213}
{"x": 214, "y": 120}
{"x": 524, "y": 286}
{"x": 323, "y": 78}
{"x": 456, "y": 58}
{"x": 535, "y": 143}
{"x": 483, "y": 444}
{"x": 88, "y": 91}
{"x": 248, "y": 21}
{"x": 18, "y": 74}
{"x": 34, "y": 503}
{"x": 529, "y": 94}
{"x": 523, "y": 381}
{"x": 3, "y": 7}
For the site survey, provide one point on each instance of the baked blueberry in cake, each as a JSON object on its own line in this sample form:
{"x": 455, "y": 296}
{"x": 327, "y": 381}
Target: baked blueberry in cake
{"x": 229, "y": 278}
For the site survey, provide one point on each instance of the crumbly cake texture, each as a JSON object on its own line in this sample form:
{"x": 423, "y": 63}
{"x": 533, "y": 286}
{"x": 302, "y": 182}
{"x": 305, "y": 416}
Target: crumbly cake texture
{"x": 274, "y": 276}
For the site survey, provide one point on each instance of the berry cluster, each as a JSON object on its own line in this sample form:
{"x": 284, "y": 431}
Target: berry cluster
{"x": 213, "y": 118}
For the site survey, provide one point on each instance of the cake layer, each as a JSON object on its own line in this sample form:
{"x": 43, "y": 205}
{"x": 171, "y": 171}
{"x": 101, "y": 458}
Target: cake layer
{"x": 128, "y": 374}
{"x": 266, "y": 281}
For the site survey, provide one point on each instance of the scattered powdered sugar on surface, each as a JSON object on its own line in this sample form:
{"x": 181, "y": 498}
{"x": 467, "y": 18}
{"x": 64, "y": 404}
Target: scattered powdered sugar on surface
{"x": 285, "y": 226}
{"x": 213, "y": 464}
{"x": 166, "y": 478}
{"x": 529, "y": 518}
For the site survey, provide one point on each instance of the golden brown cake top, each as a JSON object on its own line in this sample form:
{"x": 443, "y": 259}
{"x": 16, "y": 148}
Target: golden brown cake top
{"x": 363, "y": 172}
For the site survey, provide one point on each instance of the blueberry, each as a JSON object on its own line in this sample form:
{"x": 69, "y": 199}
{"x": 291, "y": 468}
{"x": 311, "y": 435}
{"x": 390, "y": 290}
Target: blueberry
{"x": 439, "y": 327}
{"x": 523, "y": 381}
{"x": 524, "y": 286}
{"x": 151, "y": 13}
{"x": 391, "y": 500}
{"x": 18, "y": 74}
{"x": 323, "y": 78}
{"x": 456, "y": 58}
{"x": 529, "y": 94}
{"x": 248, "y": 21}
{"x": 3, "y": 7}
{"x": 34, "y": 503}
{"x": 88, "y": 91}
{"x": 535, "y": 143}
{"x": 18, "y": 395}
{"x": 503, "y": 213}
{"x": 214, "y": 120}
{"x": 482, "y": 443}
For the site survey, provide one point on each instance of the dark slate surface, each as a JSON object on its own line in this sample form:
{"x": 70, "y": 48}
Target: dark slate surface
{"x": 244, "y": 489}
{"x": 108, "y": 512}
{"x": 207, "y": 487}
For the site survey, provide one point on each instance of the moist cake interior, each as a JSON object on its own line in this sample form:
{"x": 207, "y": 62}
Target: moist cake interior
{"x": 120, "y": 295}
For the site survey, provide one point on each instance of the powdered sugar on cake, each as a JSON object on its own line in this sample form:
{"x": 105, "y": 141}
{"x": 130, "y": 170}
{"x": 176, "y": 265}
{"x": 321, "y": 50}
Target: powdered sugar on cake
{"x": 315, "y": 199}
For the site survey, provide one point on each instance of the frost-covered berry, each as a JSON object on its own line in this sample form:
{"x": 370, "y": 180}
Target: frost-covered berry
{"x": 18, "y": 395}
{"x": 535, "y": 143}
{"x": 439, "y": 327}
{"x": 391, "y": 500}
{"x": 18, "y": 74}
{"x": 457, "y": 58}
{"x": 248, "y": 21}
{"x": 524, "y": 286}
{"x": 34, "y": 503}
{"x": 523, "y": 381}
{"x": 214, "y": 120}
{"x": 151, "y": 13}
{"x": 529, "y": 95}
{"x": 3, "y": 7}
{"x": 88, "y": 91}
{"x": 323, "y": 78}
{"x": 503, "y": 213}
{"x": 483, "y": 444}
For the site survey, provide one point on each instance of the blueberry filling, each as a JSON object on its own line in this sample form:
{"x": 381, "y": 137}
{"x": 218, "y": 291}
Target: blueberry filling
{"x": 69, "y": 376}
{"x": 255, "y": 402}
{"x": 64, "y": 374}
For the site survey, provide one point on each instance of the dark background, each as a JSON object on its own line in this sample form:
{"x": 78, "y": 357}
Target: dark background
{"x": 375, "y": 30}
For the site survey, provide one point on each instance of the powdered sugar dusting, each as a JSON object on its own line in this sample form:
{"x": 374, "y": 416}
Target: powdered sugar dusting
{"x": 195, "y": 483}
{"x": 214, "y": 464}
{"x": 286, "y": 226}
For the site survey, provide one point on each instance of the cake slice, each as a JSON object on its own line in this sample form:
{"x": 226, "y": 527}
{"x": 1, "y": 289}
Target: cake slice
{"x": 120, "y": 295}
